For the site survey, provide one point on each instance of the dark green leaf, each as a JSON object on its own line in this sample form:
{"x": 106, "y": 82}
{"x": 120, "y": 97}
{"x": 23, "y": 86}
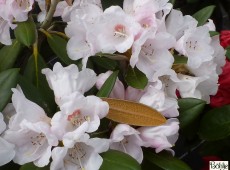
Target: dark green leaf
{"x": 8, "y": 80}
{"x": 180, "y": 59}
{"x": 31, "y": 166}
{"x": 135, "y": 78}
{"x": 58, "y": 45}
{"x": 228, "y": 52}
{"x": 34, "y": 94}
{"x": 165, "y": 160}
{"x": 107, "y": 87}
{"x": 204, "y": 14}
{"x": 213, "y": 33}
{"x": 190, "y": 110}
{"x": 104, "y": 62}
{"x": 9, "y": 54}
{"x": 116, "y": 160}
{"x": 215, "y": 124}
{"x": 26, "y": 32}
{"x": 192, "y": 1}
{"x": 172, "y": 1}
{"x": 40, "y": 81}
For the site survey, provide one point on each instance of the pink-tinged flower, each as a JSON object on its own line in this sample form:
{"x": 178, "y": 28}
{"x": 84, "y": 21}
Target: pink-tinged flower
{"x": 114, "y": 31}
{"x": 66, "y": 80}
{"x": 7, "y": 152}
{"x": 78, "y": 111}
{"x": 126, "y": 139}
{"x": 5, "y": 32}
{"x": 83, "y": 154}
{"x": 161, "y": 137}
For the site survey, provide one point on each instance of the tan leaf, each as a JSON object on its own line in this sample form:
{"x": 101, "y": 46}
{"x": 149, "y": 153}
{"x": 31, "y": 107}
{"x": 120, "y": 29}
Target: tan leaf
{"x": 133, "y": 113}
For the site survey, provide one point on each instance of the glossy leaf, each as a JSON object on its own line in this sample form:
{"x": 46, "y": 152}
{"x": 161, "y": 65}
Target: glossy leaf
{"x": 204, "y": 14}
{"x": 9, "y": 54}
{"x": 58, "y": 45}
{"x": 215, "y": 124}
{"x": 133, "y": 113}
{"x": 213, "y": 33}
{"x": 26, "y": 32}
{"x": 135, "y": 78}
{"x": 116, "y": 160}
{"x": 42, "y": 84}
{"x": 165, "y": 160}
{"x": 107, "y": 87}
{"x": 31, "y": 166}
{"x": 8, "y": 80}
{"x": 190, "y": 109}
{"x": 105, "y": 63}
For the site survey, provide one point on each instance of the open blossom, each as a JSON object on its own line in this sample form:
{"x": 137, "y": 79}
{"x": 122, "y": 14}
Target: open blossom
{"x": 161, "y": 137}
{"x": 78, "y": 111}
{"x": 82, "y": 154}
{"x": 126, "y": 139}
{"x": 66, "y": 80}
{"x": 29, "y": 130}
{"x": 7, "y": 152}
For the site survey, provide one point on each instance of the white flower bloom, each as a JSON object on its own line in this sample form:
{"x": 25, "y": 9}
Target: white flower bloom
{"x": 77, "y": 111}
{"x": 114, "y": 31}
{"x": 7, "y": 152}
{"x": 126, "y": 139}
{"x": 5, "y": 32}
{"x": 66, "y": 80}
{"x": 33, "y": 142}
{"x": 161, "y": 137}
{"x": 176, "y": 23}
{"x": 158, "y": 100}
{"x": 195, "y": 44}
{"x": 25, "y": 110}
{"x": 82, "y": 155}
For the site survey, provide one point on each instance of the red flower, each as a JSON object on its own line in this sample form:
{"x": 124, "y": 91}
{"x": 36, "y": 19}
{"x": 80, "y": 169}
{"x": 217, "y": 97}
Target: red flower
{"x": 223, "y": 95}
{"x": 206, "y": 160}
{"x": 225, "y": 38}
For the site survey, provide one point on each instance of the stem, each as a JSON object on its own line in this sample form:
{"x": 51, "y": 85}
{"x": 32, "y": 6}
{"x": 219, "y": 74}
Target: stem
{"x": 50, "y": 14}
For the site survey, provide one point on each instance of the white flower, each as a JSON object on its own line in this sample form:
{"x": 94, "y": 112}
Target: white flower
{"x": 83, "y": 155}
{"x": 33, "y": 142}
{"x": 66, "y": 80}
{"x": 161, "y": 137}
{"x": 77, "y": 111}
{"x": 126, "y": 139}
{"x": 114, "y": 31}
{"x": 5, "y": 32}
{"x": 7, "y": 152}
{"x": 195, "y": 44}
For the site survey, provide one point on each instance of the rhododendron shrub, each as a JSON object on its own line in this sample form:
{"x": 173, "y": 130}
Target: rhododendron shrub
{"x": 86, "y": 87}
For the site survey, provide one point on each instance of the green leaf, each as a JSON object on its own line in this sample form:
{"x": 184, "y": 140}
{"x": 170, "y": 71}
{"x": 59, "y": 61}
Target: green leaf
{"x": 190, "y": 109}
{"x": 135, "y": 78}
{"x": 107, "y": 87}
{"x": 26, "y": 32}
{"x": 204, "y": 14}
{"x": 8, "y": 80}
{"x": 42, "y": 84}
{"x": 116, "y": 160}
{"x": 9, "y": 54}
{"x": 58, "y": 45}
{"x": 215, "y": 124}
{"x": 104, "y": 62}
{"x": 34, "y": 94}
{"x": 31, "y": 166}
{"x": 165, "y": 160}
{"x": 180, "y": 59}
{"x": 213, "y": 33}
{"x": 227, "y": 52}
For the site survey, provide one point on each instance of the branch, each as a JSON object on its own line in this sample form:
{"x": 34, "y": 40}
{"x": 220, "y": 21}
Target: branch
{"x": 50, "y": 14}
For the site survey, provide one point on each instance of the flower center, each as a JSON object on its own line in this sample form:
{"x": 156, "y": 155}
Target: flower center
{"x": 37, "y": 140}
{"x": 77, "y": 119}
{"x": 119, "y": 31}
